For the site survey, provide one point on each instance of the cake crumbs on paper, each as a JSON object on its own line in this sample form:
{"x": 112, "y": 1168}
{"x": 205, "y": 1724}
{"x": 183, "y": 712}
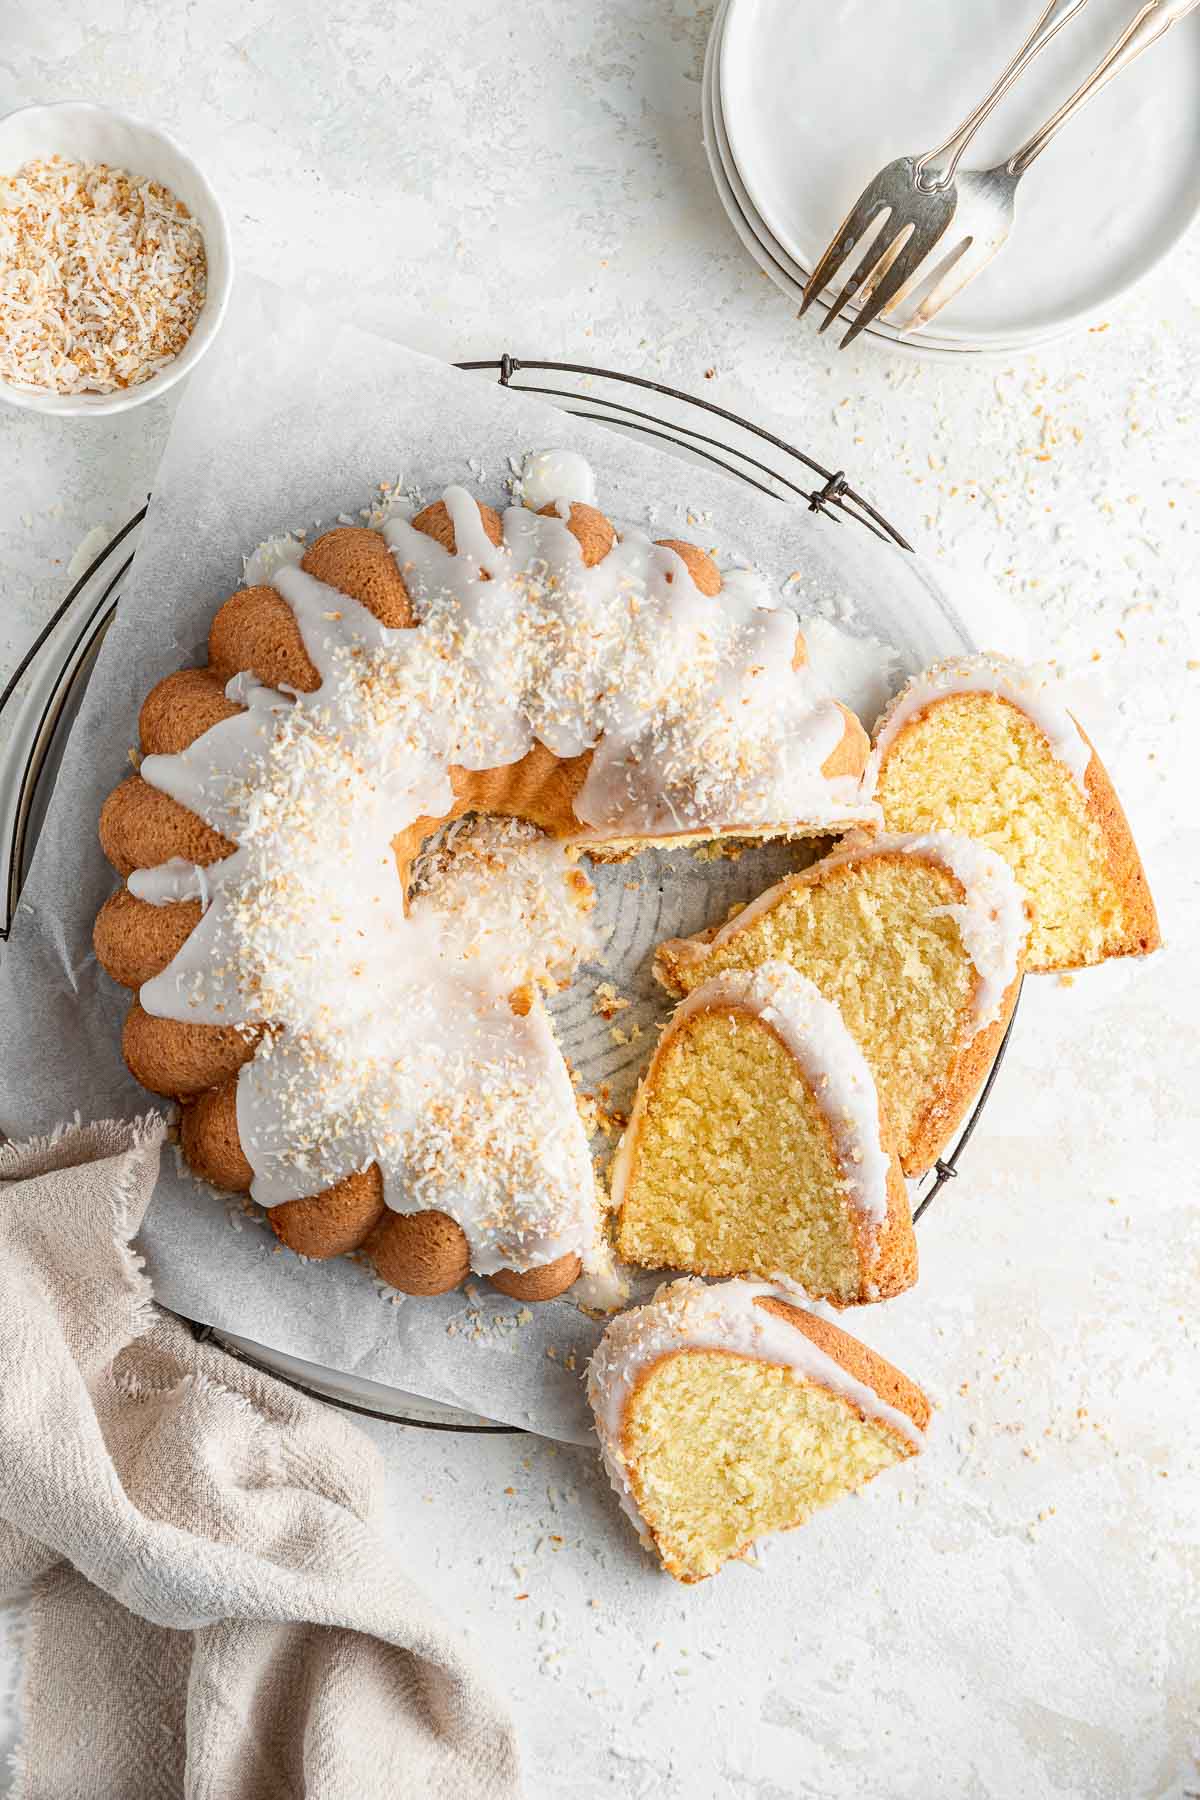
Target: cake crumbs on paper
{"x": 102, "y": 277}
{"x": 607, "y": 1002}
{"x": 720, "y": 850}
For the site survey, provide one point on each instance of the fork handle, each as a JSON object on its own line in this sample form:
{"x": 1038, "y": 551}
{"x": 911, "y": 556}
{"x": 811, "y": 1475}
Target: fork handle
{"x": 1053, "y": 18}
{"x": 1153, "y": 21}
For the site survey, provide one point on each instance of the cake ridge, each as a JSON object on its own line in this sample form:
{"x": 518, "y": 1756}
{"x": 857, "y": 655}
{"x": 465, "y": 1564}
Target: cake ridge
{"x": 310, "y": 780}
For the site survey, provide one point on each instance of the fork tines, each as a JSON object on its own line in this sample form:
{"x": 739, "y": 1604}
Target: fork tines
{"x": 911, "y": 218}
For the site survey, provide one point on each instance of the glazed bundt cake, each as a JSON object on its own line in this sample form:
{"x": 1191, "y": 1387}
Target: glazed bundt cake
{"x": 756, "y": 1147}
{"x": 918, "y": 940}
{"x": 981, "y": 746}
{"x": 728, "y": 1412}
{"x": 369, "y": 1054}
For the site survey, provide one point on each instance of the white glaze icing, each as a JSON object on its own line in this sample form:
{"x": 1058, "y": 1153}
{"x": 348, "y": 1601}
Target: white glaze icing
{"x": 392, "y": 1038}
{"x": 690, "y": 1315}
{"x": 830, "y": 1060}
{"x": 697, "y": 719}
{"x": 506, "y": 894}
{"x": 550, "y": 475}
{"x": 271, "y": 554}
{"x": 170, "y": 882}
{"x": 1029, "y": 690}
{"x": 992, "y": 917}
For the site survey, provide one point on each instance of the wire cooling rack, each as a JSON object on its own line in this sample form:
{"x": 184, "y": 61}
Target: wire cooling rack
{"x": 40, "y": 701}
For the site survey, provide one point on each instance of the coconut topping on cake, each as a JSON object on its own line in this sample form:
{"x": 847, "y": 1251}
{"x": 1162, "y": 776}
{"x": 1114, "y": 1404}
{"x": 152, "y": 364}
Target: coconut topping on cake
{"x": 501, "y": 890}
{"x": 697, "y": 716}
{"x": 415, "y": 1040}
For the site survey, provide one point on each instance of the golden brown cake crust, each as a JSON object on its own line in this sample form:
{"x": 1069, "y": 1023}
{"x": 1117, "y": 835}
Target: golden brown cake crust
{"x": 594, "y": 533}
{"x": 541, "y": 788}
{"x": 135, "y": 940}
{"x": 181, "y": 708}
{"x": 178, "y": 1059}
{"x": 946, "y": 1111}
{"x": 256, "y": 632}
{"x": 849, "y": 755}
{"x": 357, "y": 562}
{"x": 419, "y": 1253}
{"x": 209, "y": 1139}
{"x": 873, "y": 1370}
{"x": 140, "y": 827}
{"x": 896, "y": 1262}
{"x": 435, "y": 522}
{"x": 700, "y": 565}
{"x": 334, "y": 1221}
{"x": 1141, "y": 934}
{"x": 544, "y": 1283}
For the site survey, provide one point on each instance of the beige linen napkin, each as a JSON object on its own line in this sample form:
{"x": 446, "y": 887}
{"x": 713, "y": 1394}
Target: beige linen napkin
{"x": 214, "y": 1613}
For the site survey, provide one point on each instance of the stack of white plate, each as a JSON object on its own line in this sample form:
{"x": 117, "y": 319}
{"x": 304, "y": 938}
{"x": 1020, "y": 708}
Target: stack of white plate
{"x": 805, "y": 99}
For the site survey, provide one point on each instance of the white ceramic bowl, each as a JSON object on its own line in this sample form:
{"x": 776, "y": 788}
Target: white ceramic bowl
{"x": 94, "y": 134}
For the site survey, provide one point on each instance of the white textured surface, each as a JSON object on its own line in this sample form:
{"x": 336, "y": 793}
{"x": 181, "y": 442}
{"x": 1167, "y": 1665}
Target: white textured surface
{"x": 1018, "y": 1616}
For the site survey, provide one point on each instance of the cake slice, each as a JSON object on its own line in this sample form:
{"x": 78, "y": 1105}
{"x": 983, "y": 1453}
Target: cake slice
{"x": 728, "y": 1412}
{"x": 919, "y": 940}
{"x": 982, "y": 746}
{"x": 756, "y": 1147}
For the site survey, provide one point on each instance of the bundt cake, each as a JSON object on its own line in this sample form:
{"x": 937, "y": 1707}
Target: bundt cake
{"x": 728, "y": 1412}
{"x": 756, "y": 1146}
{"x": 918, "y": 940}
{"x": 982, "y": 746}
{"x": 376, "y": 1066}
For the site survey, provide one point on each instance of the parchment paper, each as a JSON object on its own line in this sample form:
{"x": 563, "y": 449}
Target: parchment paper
{"x": 291, "y": 421}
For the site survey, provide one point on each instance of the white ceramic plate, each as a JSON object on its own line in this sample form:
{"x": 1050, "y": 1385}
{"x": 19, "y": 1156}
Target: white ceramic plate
{"x": 815, "y": 100}
{"x": 770, "y": 256}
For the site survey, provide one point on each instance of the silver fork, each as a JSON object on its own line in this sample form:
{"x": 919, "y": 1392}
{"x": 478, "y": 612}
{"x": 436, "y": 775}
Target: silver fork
{"x": 914, "y": 209}
{"x": 987, "y": 197}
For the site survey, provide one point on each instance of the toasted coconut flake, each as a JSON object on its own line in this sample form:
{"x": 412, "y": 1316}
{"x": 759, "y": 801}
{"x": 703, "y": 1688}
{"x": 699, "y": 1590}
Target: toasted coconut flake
{"x": 102, "y": 278}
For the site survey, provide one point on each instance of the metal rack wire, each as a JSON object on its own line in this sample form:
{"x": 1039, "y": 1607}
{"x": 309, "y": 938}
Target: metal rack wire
{"x": 647, "y": 409}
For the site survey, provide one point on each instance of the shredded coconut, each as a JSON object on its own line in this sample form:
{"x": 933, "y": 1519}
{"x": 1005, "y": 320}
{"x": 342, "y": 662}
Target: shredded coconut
{"x": 102, "y": 277}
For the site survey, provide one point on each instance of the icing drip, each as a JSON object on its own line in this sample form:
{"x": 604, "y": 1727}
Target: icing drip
{"x": 698, "y": 720}
{"x": 688, "y": 1315}
{"x": 833, "y": 1066}
{"x": 1026, "y": 689}
{"x": 171, "y": 881}
{"x": 550, "y": 475}
{"x": 391, "y": 1038}
{"x": 992, "y": 918}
